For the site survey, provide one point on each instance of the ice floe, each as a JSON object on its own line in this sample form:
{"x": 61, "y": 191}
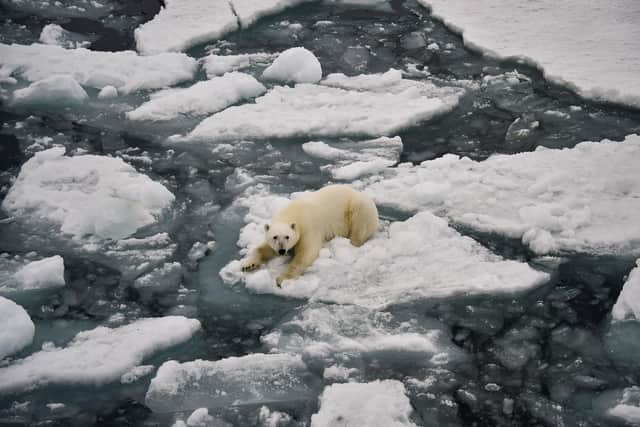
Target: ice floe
{"x": 235, "y": 381}
{"x": 17, "y": 276}
{"x": 98, "y": 356}
{"x": 582, "y": 199}
{"x": 378, "y": 403}
{"x": 217, "y": 65}
{"x": 86, "y": 194}
{"x": 55, "y": 34}
{"x": 405, "y": 261}
{"x": 353, "y": 159}
{"x": 205, "y": 97}
{"x": 295, "y": 65}
{"x": 628, "y": 303}
{"x": 628, "y": 408}
{"x": 126, "y": 71}
{"x": 57, "y": 91}
{"x": 249, "y": 11}
{"x": 557, "y": 39}
{"x": 182, "y": 24}
{"x": 16, "y": 329}
{"x": 320, "y": 110}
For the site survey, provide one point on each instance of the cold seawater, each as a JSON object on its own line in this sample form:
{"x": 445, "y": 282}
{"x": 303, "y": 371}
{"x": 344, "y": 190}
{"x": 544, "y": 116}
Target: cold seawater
{"x": 493, "y": 308}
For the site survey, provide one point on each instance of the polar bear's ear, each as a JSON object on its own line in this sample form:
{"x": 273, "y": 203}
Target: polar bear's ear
{"x": 266, "y": 227}
{"x": 293, "y": 225}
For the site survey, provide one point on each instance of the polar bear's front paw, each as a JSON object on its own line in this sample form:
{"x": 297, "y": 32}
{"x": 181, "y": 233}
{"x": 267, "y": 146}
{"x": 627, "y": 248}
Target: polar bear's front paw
{"x": 279, "y": 280}
{"x": 250, "y": 265}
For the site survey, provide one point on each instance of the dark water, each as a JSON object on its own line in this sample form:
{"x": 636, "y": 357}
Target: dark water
{"x": 549, "y": 349}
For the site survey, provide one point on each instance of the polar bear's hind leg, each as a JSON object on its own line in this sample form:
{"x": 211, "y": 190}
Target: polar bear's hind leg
{"x": 364, "y": 219}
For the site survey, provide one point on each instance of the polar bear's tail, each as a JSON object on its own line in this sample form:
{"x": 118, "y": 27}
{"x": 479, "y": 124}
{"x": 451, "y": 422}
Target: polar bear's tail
{"x": 364, "y": 219}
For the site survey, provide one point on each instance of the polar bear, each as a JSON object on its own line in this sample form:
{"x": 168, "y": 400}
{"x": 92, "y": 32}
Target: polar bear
{"x": 305, "y": 224}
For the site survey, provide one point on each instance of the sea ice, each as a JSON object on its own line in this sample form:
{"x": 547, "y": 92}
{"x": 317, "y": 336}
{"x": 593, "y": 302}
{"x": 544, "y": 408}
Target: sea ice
{"x": 58, "y": 91}
{"x": 182, "y": 24}
{"x": 98, "y": 356}
{"x": 597, "y": 61}
{"x": 405, "y": 261}
{"x": 378, "y": 403}
{"x": 582, "y": 199}
{"x": 351, "y": 160}
{"x": 55, "y": 34}
{"x": 41, "y": 274}
{"x": 217, "y": 65}
{"x": 295, "y": 65}
{"x": 126, "y": 71}
{"x": 86, "y": 194}
{"x": 16, "y": 329}
{"x": 249, "y": 11}
{"x": 628, "y": 304}
{"x": 205, "y": 97}
{"x": 245, "y": 380}
{"x": 628, "y": 409}
{"x": 320, "y": 110}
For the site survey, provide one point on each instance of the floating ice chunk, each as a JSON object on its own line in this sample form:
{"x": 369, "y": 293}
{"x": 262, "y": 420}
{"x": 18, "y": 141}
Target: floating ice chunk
{"x": 204, "y": 97}
{"x": 295, "y": 65}
{"x": 59, "y": 91}
{"x": 135, "y": 373}
{"x": 628, "y": 409}
{"x": 582, "y": 199}
{"x": 163, "y": 279}
{"x": 628, "y": 303}
{"x": 99, "y": 356}
{"x": 16, "y": 329}
{"x": 249, "y": 11}
{"x": 245, "y": 380}
{"x": 390, "y": 80}
{"x": 182, "y": 24}
{"x": 318, "y": 110}
{"x": 108, "y": 92}
{"x": 601, "y": 65}
{"x": 217, "y": 65}
{"x": 126, "y": 71}
{"x": 86, "y": 194}
{"x": 270, "y": 418}
{"x": 378, "y": 403}
{"x": 419, "y": 258}
{"x": 45, "y": 273}
{"x": 55, "y": 34}
{"x": 356, "y": 159}
{"x": 199, "y": 418}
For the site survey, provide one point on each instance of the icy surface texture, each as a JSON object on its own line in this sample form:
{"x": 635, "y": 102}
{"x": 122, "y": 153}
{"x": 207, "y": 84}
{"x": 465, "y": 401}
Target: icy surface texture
{"x": 59, "y": 91}
{"x": 580, "y": 199}
{"x": 185, "y": 23}
{"x": 86, "y": 195}
{"x": 217, "y": 65}
{"x": 242, "y": 380}
{"x": 55, "y": 34}
{"x": 17, "y": 276}
{"x": 295, "y": 65}
{"x": 321, "y": 110}
{"x": 378, "y": 403}
{"x": 628, "y": 304}
{"x": 17, "y": 329}
{"x": 553, "y": 37}
{"x": 405, "y": 261}
{"x": 98, "y": 356}
{"x": 351, "y": 160}
{"x": 126, "y": 71}
{"x": 206, "y": 97}
{"x": 249, "y": 11}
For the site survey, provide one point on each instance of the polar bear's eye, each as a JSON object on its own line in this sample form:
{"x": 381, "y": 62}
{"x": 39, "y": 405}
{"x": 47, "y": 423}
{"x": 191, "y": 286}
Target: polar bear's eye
{"x": 286, "y": 237}
{"x": 275, "y": 237}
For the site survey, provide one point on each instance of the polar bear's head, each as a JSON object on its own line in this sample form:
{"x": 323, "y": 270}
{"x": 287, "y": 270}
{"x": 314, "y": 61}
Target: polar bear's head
{"x": 282, "y": 237}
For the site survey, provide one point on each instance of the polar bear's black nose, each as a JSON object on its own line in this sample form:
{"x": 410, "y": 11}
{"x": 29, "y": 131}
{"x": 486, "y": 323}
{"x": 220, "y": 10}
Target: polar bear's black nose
{"x": 282, "y": 251}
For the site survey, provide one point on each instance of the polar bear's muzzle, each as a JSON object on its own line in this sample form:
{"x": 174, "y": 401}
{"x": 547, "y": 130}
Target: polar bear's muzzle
{"x": 282, "y": 252}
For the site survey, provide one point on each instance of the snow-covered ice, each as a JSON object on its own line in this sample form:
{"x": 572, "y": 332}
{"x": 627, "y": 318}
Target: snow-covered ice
{"x": 628, "y": 303}
{"x": 58, "y": 91}
{"x": 295, "y": 65}
{"x": 55, "y": 34}
{"x": 320, "y": 110}
{"x": 249, "y": 11}
{"x": 405, "y": 261}
{"x": 126, "y": 71}
{"x": 16, "y": 329}
{"x": 86, "y": 194}
{"x": 353, "y": 159}
{"x": 45, "y": 273}
{"x": 378, "y": 403}
{"x": 217, "y": 65}
{"x": 582, "y": 199}
{"x": 135, "y": 373}
{"x": 98, "y": 356}
{"x": 588, "y": 45}
{"x": 182, "y": 24}
{"x": 242, "y": 380}
{"x": 205, "y": 97}
{"x": 628, "y": 409}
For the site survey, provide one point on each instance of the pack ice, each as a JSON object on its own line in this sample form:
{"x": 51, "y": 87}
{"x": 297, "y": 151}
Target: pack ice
{"x": 583, "y": 199}
{"x": 85, "y": 195}
{"x": 16, "y": 328}
{"x": 405, "y": 261}
{"x": 97, "y": 356}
